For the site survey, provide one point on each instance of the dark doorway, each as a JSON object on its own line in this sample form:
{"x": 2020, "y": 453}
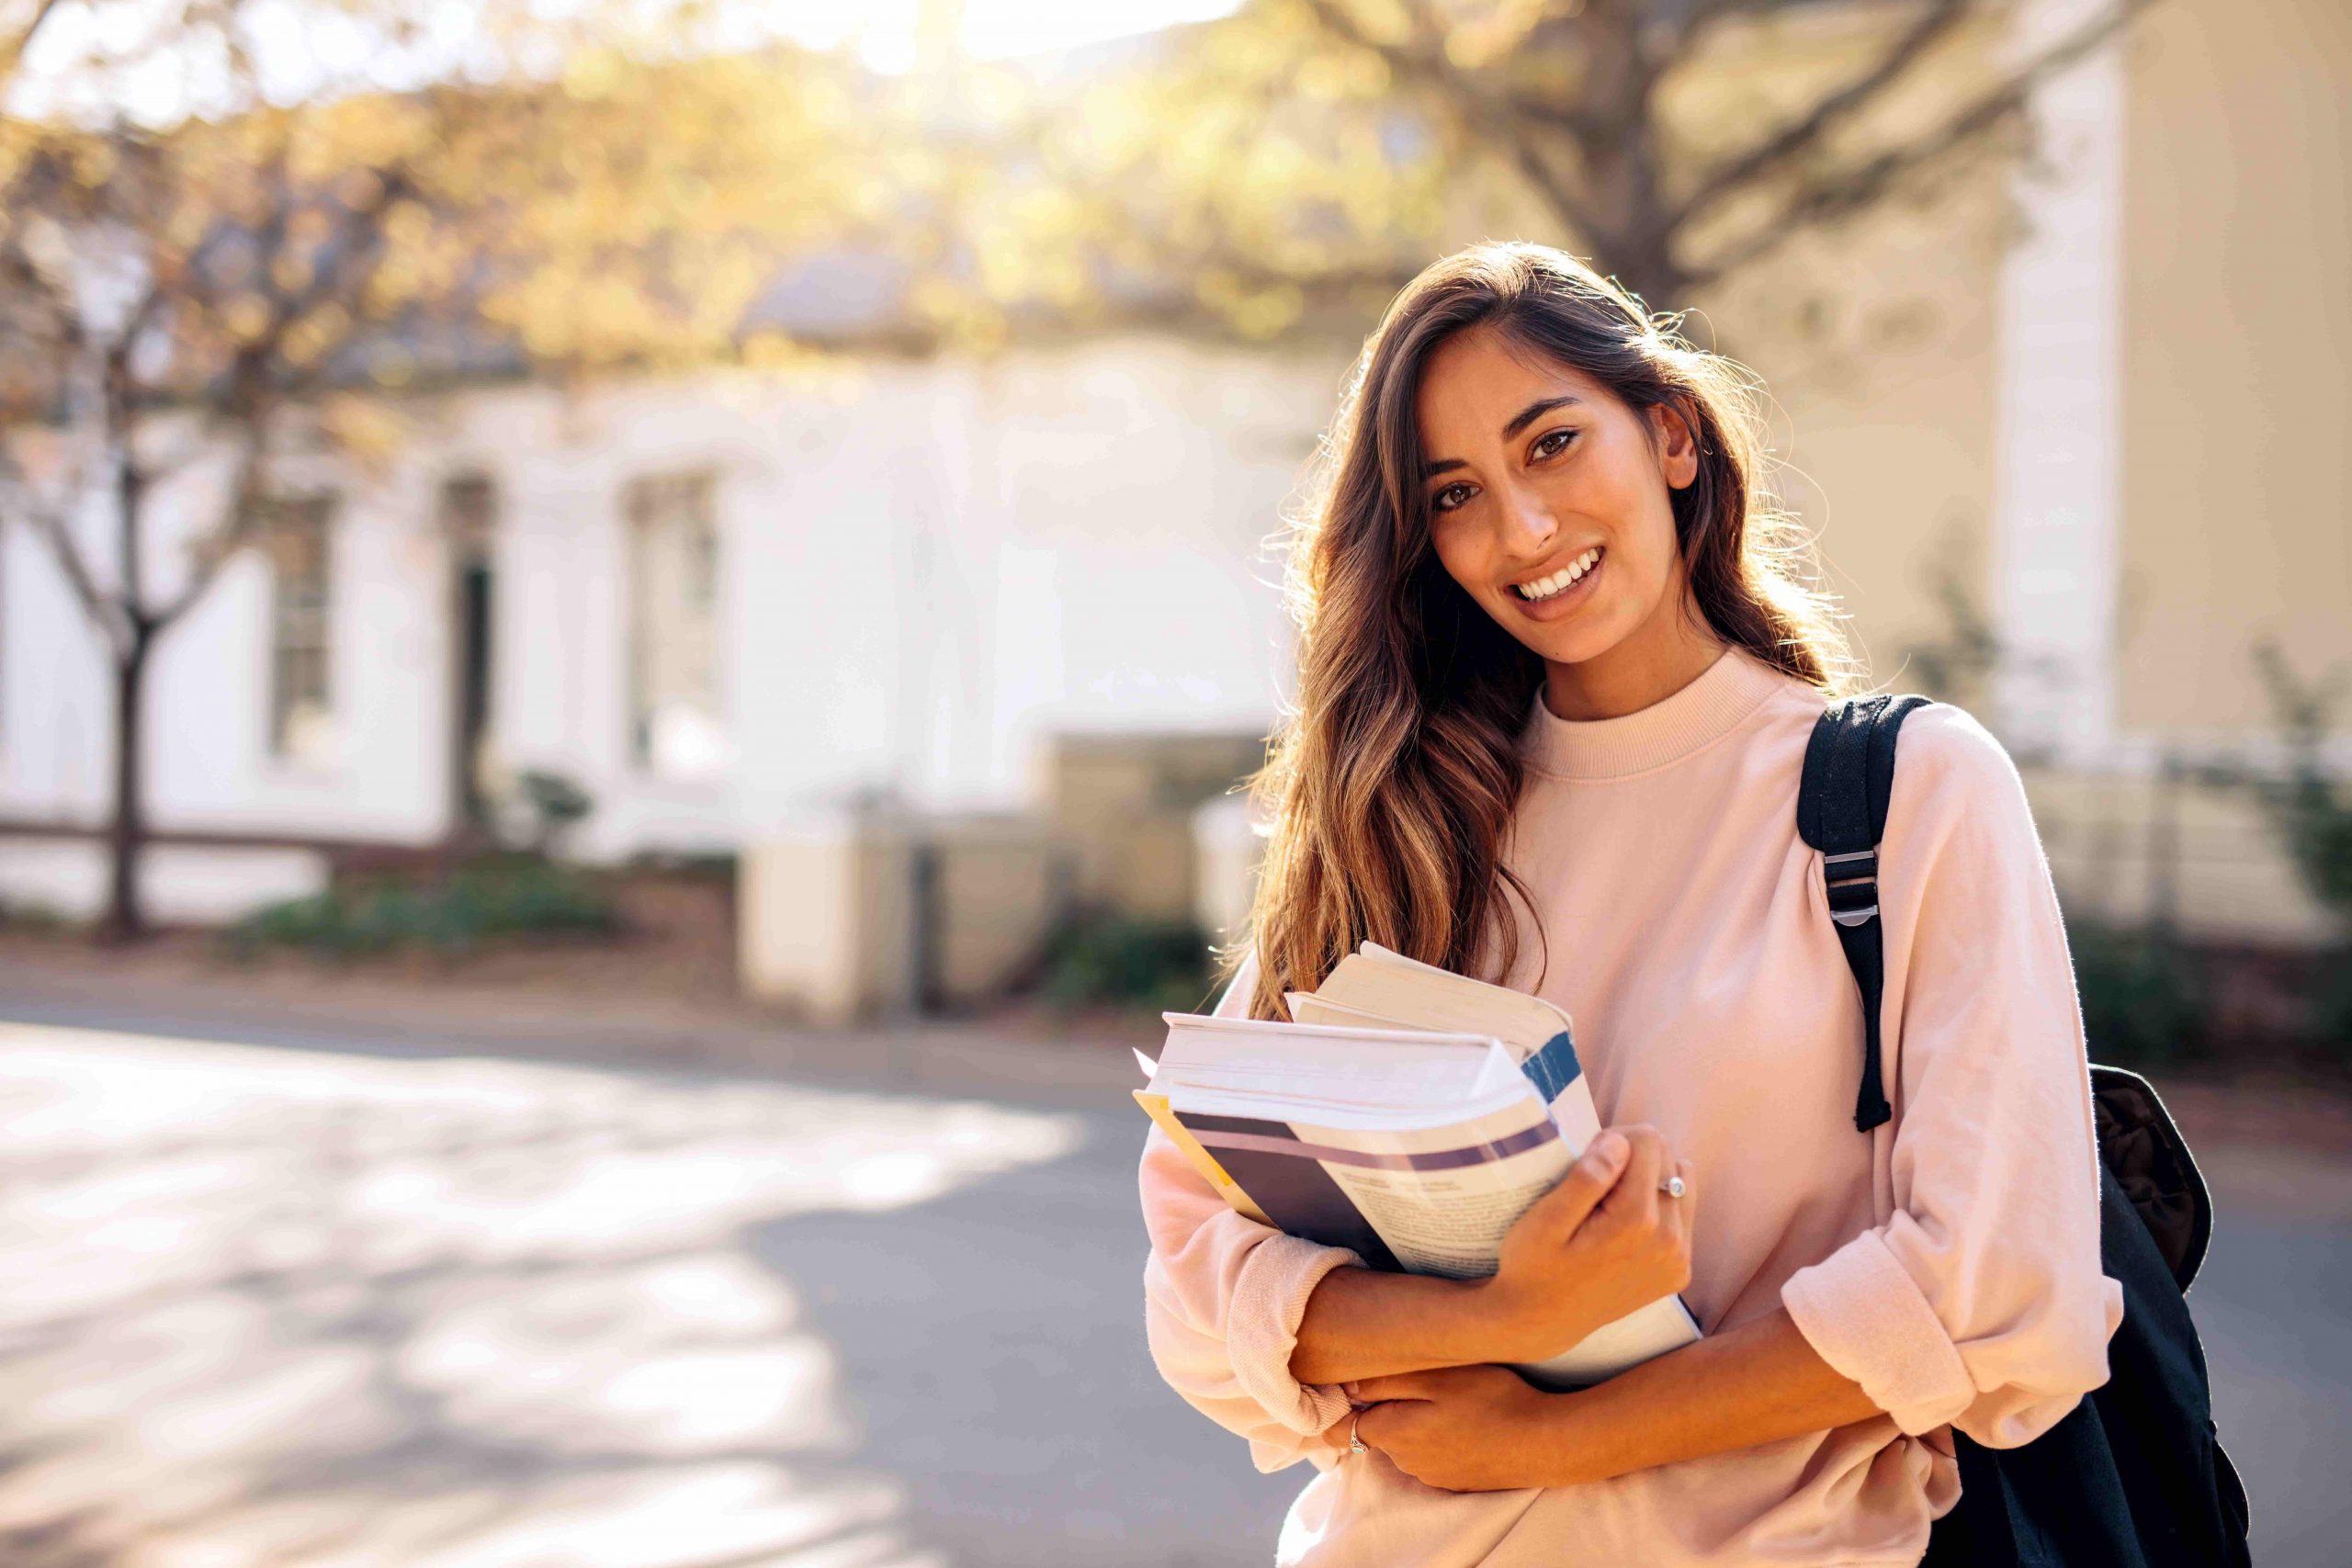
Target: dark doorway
{"x": 468, "y": 510}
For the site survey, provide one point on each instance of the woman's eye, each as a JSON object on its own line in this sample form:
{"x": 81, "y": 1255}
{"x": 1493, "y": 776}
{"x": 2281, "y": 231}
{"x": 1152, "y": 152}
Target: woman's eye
{"x": 1456, "y": 492}
{"x": 1554, "y": 441}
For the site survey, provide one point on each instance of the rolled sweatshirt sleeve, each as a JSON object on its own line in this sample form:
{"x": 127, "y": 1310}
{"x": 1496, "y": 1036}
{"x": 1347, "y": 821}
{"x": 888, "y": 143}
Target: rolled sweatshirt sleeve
{"x": 1223, "y": 1298}
{"x": 1980, "y": 1302}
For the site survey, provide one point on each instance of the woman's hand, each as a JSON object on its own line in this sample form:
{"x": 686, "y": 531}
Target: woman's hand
{"x": 1463, "y": 1429}
{"x": 1601, "y": 1244}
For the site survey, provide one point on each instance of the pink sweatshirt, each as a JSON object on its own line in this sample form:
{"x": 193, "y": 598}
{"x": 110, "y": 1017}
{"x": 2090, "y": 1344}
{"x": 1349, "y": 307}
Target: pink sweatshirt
{"x": 1947, "y": 1261}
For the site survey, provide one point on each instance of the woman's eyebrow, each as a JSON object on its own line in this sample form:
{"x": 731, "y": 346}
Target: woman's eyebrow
{"x": 1536, "y": 410}
{"x": 1520, "y": 422}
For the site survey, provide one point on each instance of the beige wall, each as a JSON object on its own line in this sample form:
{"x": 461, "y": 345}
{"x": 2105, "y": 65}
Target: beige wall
{"x": 2237, "y": 408}
{"x": 1124, "y": 806}
{"x": 825, "y": 919}
{"x": 2235, "y": 495}
{"x": 1876, "y": 340}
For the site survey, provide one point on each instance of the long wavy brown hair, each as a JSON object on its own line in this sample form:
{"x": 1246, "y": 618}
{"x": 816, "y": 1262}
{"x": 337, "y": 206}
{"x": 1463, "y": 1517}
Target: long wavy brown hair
{"x": 1392, "y": 784}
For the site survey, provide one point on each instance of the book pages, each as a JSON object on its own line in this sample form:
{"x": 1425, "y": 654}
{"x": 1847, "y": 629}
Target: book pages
{"x": 1408, "y": 1114}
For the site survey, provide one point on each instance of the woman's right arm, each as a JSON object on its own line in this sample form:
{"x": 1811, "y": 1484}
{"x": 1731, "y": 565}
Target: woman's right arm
{"x": 1222, "y": 1300}
{"x": 1223, "y": 1297}
{"x": 1257, "y": 1329}
{"x": 1595, "y": 1247}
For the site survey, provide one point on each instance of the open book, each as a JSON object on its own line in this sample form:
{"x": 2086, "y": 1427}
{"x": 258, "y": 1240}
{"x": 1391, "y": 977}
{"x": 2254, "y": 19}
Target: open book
{"x": 1409, "y": 1114}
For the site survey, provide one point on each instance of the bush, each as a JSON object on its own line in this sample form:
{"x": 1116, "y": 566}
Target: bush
{"x": 492, "y": 895}
{"x": 2310, "y": 811}
{"x": 2144, "y": 1002}
{"x": 1112, "y": 961}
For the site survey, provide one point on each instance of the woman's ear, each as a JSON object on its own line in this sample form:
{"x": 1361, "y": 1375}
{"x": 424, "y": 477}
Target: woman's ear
{"x": 1676, "y": 427}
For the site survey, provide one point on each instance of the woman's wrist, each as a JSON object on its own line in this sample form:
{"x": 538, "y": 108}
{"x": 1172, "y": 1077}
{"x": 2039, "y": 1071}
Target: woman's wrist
{"x": 1362, "y": 1323}
{"x": 1508, "y": 1328}
{"x": 1559, "y": 1435}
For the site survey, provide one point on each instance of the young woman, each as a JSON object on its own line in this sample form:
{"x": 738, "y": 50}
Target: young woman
{"x": 1557, "y": 678}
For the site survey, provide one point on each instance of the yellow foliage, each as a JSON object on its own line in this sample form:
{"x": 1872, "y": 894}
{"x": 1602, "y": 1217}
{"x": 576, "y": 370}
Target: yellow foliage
{"x": 369, "y": 429}
{"x": 246, "y": 318}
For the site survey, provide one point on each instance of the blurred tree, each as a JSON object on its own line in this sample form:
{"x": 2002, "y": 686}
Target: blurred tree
{"x": 1302, "y": 147}
{"x": 129, "y": 293}
{"x": 2309, "y": 805}
{"x": 188, "y": 300}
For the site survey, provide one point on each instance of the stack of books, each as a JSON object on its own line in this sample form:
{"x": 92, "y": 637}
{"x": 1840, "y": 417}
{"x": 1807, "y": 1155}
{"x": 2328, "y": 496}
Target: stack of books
{"x": 1406, "y": 1112}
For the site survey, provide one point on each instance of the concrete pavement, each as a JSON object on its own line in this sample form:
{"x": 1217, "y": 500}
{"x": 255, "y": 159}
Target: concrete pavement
{"x": 400, "y": 1304}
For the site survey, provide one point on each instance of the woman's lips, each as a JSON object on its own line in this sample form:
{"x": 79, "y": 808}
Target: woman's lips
{"x": 1566, "y": 600}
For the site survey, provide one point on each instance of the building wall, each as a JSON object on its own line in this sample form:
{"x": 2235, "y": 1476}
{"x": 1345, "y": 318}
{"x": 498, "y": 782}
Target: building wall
{"x": 209, "y": 758}
{"x": 2238, "y": 289}
{"x": 1876, "y": 340}
{"x": 926, "y": 572}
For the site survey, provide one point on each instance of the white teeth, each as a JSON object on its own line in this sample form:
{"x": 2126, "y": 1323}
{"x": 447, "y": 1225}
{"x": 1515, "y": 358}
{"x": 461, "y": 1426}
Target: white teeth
{"x": 1545, "y": 587}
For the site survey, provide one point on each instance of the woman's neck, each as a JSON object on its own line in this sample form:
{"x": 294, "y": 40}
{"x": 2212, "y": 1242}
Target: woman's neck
{"x": 1666, "y": 653}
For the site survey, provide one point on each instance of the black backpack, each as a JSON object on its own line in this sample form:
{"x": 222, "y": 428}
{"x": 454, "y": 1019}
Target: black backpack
{"x": 2135, "y": 1476}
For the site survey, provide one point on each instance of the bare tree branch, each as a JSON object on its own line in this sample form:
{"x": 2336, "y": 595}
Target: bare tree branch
{"x": 1775, "y": 151}
{"x": 1857, "y": 189}
{"x": 251, "y": 400}
{"x": 1476, "y": 101}
{"x": 240, "y": 516}
{"x": 52, "y": 524}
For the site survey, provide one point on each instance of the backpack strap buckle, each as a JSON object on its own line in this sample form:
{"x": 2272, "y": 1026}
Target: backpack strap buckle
{"x": 1842, "y": 802}
{"x": 1851, "y": 883}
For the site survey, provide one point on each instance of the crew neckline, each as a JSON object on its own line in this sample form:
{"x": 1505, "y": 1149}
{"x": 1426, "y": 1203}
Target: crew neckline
{"x": 1707, "y": 708}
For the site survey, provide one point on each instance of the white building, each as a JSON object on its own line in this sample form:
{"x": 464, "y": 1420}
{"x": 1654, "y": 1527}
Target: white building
{"x": 714, "y": 603}
{"x": 717, "y": 604}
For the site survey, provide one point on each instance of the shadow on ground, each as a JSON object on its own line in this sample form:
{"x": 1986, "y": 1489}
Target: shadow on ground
{"x": 288, "y": 1308}
{"x": 994, "y": 1337}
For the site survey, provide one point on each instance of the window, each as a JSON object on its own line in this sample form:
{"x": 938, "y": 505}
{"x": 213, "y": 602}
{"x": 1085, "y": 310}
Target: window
{"x": 295, "y": 532}
{"x": 675, "y": 725}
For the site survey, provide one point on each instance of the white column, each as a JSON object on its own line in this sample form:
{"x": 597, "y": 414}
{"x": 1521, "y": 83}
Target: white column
{"x": 2058, "y": 439}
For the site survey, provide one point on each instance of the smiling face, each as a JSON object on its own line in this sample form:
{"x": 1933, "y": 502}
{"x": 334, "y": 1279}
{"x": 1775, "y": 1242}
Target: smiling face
{"x": 1549, "y": 505}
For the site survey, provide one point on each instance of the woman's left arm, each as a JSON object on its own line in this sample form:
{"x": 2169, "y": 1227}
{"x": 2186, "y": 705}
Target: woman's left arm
{"x": 1980, "y": 1302}
{"x": 1483, "y": 1428}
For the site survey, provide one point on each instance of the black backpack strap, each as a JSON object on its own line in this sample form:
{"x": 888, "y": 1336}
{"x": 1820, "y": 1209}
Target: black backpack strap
{"x": 1841, "y": 811}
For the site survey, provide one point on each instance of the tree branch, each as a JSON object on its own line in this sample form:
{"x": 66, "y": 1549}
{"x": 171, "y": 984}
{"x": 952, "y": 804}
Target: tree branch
{"x": 1794, "y": 139}
{"x": 1475, "y": 101}
{"x": 1858, "y": 188}
{"x": 251, "y": 399}
{"x": 50, "y": 525}
{"x": 238, "y": 516}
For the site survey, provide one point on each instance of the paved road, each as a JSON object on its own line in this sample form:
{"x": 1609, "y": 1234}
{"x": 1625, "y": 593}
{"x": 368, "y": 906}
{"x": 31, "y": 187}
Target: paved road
{"x": 275, "y": 1305}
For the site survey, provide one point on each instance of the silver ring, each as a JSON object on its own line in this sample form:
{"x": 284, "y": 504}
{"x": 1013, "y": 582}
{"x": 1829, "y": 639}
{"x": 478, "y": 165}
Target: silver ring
{"x": 1355, "y": 1444}
{"x": 1673, "y": 1187}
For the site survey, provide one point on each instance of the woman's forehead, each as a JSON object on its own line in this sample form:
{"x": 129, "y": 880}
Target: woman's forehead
{"x": 1478, "y": 381}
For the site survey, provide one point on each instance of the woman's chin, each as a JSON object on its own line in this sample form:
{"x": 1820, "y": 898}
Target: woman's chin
{"x": 1577, "y": 641}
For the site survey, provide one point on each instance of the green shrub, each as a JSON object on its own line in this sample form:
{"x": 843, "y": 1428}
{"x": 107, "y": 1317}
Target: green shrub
{"x": 2143, "y": 1000}
{"x": 33, "y": 917}
{"x": 492, "y": 895}
{"x": 2310, "y": 809}
{"x": 1109, "y": 959}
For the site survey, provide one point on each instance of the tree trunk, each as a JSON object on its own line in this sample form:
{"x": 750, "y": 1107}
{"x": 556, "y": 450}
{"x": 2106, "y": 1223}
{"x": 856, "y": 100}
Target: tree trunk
{"x": 125, "y": 920}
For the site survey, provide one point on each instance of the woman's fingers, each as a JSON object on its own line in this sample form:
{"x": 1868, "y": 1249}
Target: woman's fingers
{"x": 1558, "y": 1212}
{"x": 1633, "y": 1200}
{"x": 1392, "y": 1385}
{"x": 1685, "y": 1207}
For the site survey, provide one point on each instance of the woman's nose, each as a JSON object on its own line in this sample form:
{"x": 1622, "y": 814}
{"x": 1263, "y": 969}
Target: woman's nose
{"x": 1529, "y": 526}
